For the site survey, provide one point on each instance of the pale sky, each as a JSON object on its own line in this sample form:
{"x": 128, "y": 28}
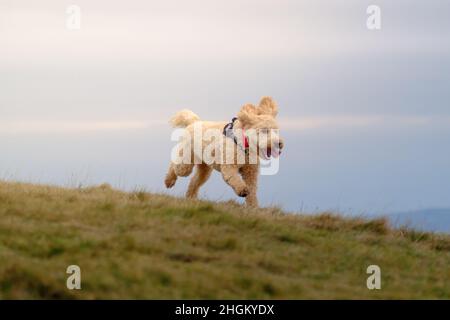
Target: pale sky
{"x": 364, "y": 105}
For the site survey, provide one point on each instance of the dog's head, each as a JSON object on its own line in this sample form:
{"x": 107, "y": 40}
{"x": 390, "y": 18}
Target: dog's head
{"x": 260, "y": 122}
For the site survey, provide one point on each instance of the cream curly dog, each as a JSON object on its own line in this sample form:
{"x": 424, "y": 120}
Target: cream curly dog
{"x": 235, "y": 148}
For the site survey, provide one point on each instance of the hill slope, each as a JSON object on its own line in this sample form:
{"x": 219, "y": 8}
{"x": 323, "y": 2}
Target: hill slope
{"x": 139, "y": 245}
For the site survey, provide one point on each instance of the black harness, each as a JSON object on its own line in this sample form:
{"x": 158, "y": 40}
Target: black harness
{"x": 228, "y": 132}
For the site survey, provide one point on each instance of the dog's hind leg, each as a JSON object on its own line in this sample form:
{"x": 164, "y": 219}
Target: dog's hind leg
{"x": 182, "y": 169}
{"x": 177, "y": 170}
{"x": 171, "y": 177}
{"x": 202, "y": 174}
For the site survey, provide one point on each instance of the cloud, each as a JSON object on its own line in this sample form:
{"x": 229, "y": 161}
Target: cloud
{"x": 205, "y": 30}
{"x": 309, "y": 123}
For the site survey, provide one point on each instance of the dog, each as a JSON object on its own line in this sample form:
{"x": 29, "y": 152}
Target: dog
{"x": 232, "y": 143}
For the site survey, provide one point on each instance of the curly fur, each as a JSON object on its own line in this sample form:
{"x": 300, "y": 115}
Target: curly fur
{"x": 184, "y": 118}
{"x": 242, "y": 178}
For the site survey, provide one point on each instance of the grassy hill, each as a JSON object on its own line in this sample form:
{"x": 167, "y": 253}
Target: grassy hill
{"x": 139, "y": 245}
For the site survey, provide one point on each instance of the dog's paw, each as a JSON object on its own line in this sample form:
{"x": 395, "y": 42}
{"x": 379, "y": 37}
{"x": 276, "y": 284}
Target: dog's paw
{"x": 243, "y": 192}
{"x": 170, "y": 183}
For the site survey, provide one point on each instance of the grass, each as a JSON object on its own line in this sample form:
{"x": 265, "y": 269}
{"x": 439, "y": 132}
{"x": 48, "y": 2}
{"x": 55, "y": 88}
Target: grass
{"x": 150, "y": 246}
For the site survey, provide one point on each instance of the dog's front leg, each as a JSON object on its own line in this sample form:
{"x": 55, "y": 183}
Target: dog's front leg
{"x": 250, "y": 175}
{"x": 230, "y": 174}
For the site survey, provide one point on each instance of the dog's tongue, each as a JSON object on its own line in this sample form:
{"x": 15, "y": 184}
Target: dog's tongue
{"x": 275, "y": 153}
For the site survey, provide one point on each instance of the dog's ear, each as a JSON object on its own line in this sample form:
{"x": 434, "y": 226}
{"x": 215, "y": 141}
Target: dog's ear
{"x": 247, "y": 114}
{"x": 268, "y": 106}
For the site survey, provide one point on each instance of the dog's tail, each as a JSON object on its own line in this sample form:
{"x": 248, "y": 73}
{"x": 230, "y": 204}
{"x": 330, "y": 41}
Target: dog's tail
{"x": 184, "y": 118}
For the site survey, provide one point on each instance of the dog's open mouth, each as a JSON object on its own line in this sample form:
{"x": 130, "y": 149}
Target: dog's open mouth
{"x": 272, "y": 152}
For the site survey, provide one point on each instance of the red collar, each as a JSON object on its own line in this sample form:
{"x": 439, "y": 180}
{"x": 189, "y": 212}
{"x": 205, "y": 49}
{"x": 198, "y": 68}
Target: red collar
{"x": 245, "y": 139}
